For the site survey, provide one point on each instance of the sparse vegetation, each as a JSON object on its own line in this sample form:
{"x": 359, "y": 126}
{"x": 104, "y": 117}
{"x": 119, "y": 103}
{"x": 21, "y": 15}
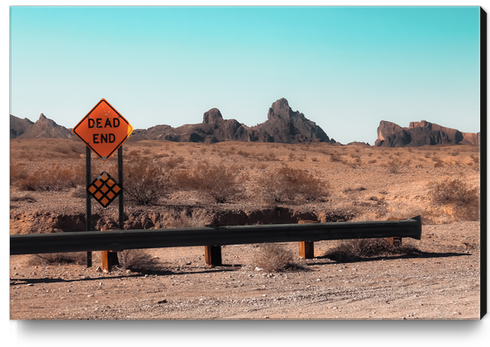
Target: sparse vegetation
{"x": 457, "y": 197}
{"x": 218, "y": 182}
{"x": 191, "y": 219}
{"x": 137, "y": 260}
{"x": 47, "y": 179}
{"x": 145, "y": 183}
{"x": 253, "y": 174}
{"x": 271, "y": 257}
{"x": 394, "y": 166}
{"x": 288, "y": 183}
{"x": 77, "y": 258}
{"x": 351, "y": 250}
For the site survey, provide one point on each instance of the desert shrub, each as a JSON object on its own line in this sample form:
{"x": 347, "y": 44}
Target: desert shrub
{"x": 334, "y": 157}
{"x": 194, "y": 219}
{"x": 78, "y": 258}
{"x": 17, "y": 172}
{"x": 456, "y": 194}
{"x": 26, "y": 198}
{"x": 476, "y": 159}
{"x": 394, "y": 166}
{"x": 48, "y": 179}
{"x": 79, "y": 192}
{"x": 219, "y": 182}
{"x": 137, "y": 260}
{"x": 173, "y": 162}
{"x": 288, "y": 183}
{"x": 355, "y": 249}
{"x": 272, "y": 257}
{"x": 243, "y": 153}
{"x": 145, "y": 183}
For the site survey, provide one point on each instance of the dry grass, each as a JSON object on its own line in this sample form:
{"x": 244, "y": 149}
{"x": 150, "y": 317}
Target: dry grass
{"x": 137, "y": 260}
{"x": 191, "y": 219}
{"x": 319, "y": 177}
{"x": 271, "y": 257}
{"x": 218, "y": 182}
{"x": 78, "y": 258}
{"x": 54, "y": 178}
{"x": 145, "y": 183}
{"x": 356, "y": 249}
{"x": 286, "y": 184}
{"x": 463, "y": 201}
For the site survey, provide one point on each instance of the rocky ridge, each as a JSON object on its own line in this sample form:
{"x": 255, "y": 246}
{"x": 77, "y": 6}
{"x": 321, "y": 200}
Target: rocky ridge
{"x": 283, "y": 125}
{"x": 420, "y": 134}
{"x": 42, "y": 128}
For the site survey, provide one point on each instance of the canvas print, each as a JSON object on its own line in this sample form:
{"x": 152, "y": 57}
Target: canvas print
{"x": 245, "y": 163}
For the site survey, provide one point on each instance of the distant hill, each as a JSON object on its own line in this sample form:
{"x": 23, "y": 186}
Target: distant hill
{"x": 283, "y": 125}
{"x": 19, "y": 126}
{"x": 42, "y": 128}
{"x": 420, "y": 134}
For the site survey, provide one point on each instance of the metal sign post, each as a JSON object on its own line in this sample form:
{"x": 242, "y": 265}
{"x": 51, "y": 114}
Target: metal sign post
{"x": 121, "y": 194}
{"x": 88, "y": 202}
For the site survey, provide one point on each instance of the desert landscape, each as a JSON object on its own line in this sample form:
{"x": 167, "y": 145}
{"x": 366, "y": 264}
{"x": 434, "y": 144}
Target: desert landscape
{"x": 172, "y": 184}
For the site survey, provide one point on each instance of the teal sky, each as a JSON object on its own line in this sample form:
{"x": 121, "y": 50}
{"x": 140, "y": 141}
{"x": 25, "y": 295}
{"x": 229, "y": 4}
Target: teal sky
{"x": 346, "y": 68}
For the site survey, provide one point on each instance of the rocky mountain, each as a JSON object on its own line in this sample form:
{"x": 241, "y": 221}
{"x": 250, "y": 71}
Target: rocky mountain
{"x": 283, "y": 125}
{"x": 287, "y": 126}
{"x": 42, "y": 128}
{"x": 420, "y": 134}
{"x": 19, "y": 126}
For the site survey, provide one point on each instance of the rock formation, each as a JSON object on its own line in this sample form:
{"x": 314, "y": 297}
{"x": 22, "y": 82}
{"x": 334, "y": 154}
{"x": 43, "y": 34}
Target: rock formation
{"x": 43, "y": 128}
{"x": 420, "y": 134}
{"x": 283, "y": 125}
{"x": 287, "y": 126}
{"x": 19, "y": 126}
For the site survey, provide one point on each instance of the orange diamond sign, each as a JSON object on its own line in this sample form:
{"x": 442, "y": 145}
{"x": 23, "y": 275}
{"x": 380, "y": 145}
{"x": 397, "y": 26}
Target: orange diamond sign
{"x": 104, "y": 189}
{"x": 103, "y": 129}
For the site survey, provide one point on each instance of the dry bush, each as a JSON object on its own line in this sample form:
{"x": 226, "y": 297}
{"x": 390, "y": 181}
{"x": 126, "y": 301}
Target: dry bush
{"x": 145, "y": 183}
{"x": 394, "y": 166}
{"x": 17, "y": 172}
{"x": 47, "y": 179}
{"x": 288, "y": 183}
{"x": 194, "y": 219}
{"x": 272, "y": 257}
{"x": 78, "y": 258}
{"x": 26, "y": 198}
{"x": 334, "y": 157}
{"x": 137, "y": 260}
{"x": 219, "y": 182}
{"x": 456, "y": 194}
{"x": 356, "y": 249}
{"x": 173, "y": 162}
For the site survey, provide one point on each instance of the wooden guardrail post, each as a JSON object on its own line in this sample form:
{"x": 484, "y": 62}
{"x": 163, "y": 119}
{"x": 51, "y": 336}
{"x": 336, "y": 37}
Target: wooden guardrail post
{"x": 109, "y": 258}
{"x": 394, "y": 241}
{"x": 212, "y": 255}
{"x": 306, "y": 248}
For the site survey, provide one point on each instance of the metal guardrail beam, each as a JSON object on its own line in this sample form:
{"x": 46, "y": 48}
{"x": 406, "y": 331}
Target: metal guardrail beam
{"x": 117, "y": 240}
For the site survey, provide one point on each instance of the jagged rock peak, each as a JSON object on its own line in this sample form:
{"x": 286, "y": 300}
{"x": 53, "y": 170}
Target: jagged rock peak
{"x": 45, "y": 120}
{"x": 280, "y": 110}
{"x": 213, "y": 117}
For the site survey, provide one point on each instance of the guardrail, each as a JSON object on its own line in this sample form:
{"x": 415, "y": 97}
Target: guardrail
{"x": 212, "y": 237}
